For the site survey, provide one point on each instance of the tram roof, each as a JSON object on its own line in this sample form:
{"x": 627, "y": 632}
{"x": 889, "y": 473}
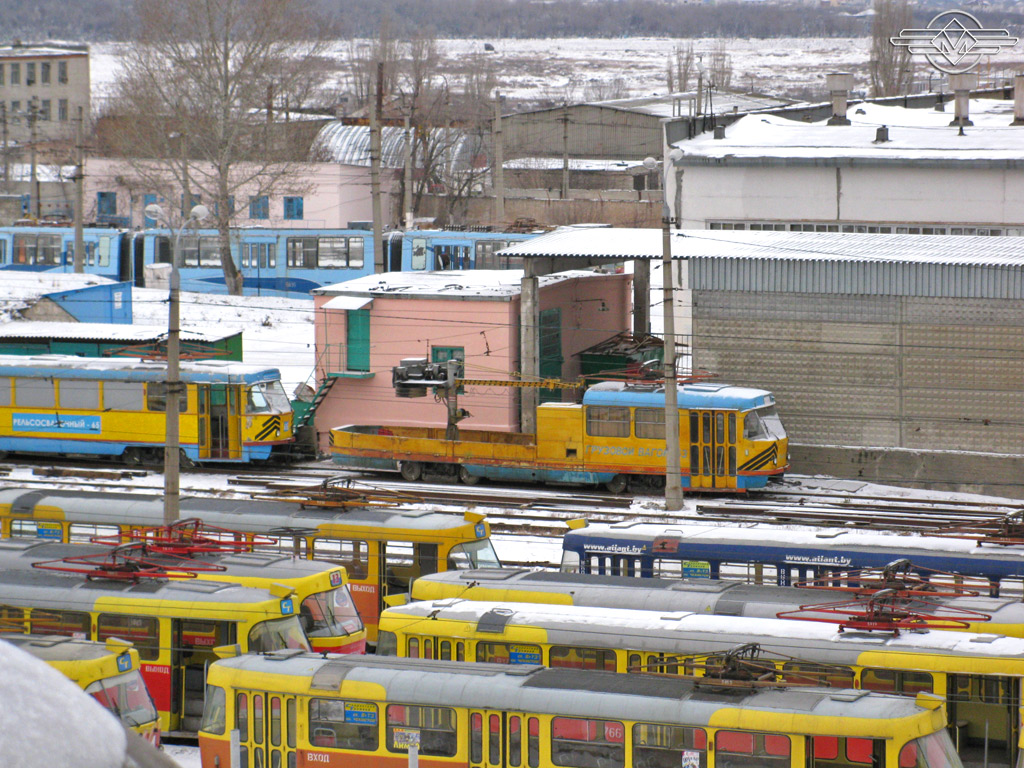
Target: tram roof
{"x": 701, "y": 633}
{"x": 266, "y": 517}
{"x": 132, "y": 369}
{"x": 59, "y": 647}
{"x": 567, "y": 692}
{"x": 700, "y": 395}
{"x": 64, "y": 591}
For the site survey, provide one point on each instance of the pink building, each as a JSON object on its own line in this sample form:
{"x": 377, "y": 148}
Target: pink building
{"x": 324, "y": 196}
{"x": 364, "y": 327}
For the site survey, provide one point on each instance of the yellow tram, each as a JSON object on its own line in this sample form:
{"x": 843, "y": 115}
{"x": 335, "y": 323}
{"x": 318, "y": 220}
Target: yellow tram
{"x": 117, "y": 407}
{"x": 109, "y": 672}
{"x": 382, "y": 550}
{"x": 370, "y": 712}
{"x": 979, "y": 675}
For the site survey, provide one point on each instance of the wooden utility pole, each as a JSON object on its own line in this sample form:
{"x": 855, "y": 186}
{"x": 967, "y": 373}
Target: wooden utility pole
{"x": 376, "y": 107}
{"x": 79, "y": 196}
{"x": 499, "y": 163}
{"x": 407, "y": 211}
{"x": 565, "y": 152}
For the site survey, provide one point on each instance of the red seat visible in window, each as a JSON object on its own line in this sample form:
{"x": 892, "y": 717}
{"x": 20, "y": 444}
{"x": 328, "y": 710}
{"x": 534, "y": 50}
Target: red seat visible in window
{"x": 735, "y": 741}
{"x": 571, "y": 728}
{"x": 700, "y": 739}
{"x": 908, "y": 756}
{"x": 324, "y": 737}
{"x": 859, "y": 750}
{"x": 776, "y": 745}
{"x": 826, "y": 747}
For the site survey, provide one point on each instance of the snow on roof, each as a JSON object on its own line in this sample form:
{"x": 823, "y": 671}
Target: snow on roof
{"x": 678, "y": 104}
{"x": 25, "y": 329}
{"x": 915, "y": 135}
{"x": 22, "y": 289}
{"x": 22, "y": 172}
{"x": 29, "y": 51}
{"x": 350, "y": 145}
{"x": 471, "y": 284}
{"x": 50, "y": 720}
{"x": 622, "y": 244}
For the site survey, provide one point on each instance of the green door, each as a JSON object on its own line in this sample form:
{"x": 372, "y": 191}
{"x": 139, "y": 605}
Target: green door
{"x": 358, "y": 340}
{"x": 550, "y": 352}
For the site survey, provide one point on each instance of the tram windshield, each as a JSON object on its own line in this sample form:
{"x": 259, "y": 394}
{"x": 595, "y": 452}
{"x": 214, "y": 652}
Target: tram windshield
{"x": 126, "y": 696}
{"x": 473, "y": 554}
{"x": 763, "y": 424}
{"x": 935, "y": 750}
{"x": 277, "y": 634}
{"x": 268, "y": 397}
{"x": 330, "y": 614}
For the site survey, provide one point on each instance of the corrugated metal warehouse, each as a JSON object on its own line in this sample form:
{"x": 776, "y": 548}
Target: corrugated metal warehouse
{"x": 891, "y": 356}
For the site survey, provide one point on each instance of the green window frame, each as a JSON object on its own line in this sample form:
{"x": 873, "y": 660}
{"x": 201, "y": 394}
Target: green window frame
{"x": 357, "y": 340}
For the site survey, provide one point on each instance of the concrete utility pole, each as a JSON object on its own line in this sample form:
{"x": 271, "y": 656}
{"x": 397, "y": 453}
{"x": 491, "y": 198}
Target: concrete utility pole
{"x": 499, "y": 163}
{"x": 376, "y": 106}
{"x": 7, "y": 161}
{"x": 407, "y": 178}
{"x": 32, "y": 156}
{"x": 79, "y": 196}
{"x": 565, "y": 152}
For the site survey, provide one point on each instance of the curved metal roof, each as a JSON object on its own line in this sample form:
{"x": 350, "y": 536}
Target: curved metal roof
{"x": 350, "y": 145}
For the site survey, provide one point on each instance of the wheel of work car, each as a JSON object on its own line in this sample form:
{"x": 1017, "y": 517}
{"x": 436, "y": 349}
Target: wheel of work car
{"x": 617, "y": 484}
{"x": 411, "y": 470}
{"x": 467, "y": 479}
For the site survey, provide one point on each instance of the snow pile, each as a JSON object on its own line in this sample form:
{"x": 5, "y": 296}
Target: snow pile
{"x": 47, "y": 720}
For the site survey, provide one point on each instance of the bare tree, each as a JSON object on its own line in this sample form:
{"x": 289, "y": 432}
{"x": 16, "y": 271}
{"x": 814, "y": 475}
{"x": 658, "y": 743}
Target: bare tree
{"x": 891, "y": 66}
{"x": 684, "y": 66}
{"x": 196, "y": 96}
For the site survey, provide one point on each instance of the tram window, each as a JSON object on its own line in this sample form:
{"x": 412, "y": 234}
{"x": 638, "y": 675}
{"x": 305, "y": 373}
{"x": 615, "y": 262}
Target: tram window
{"x": 607, "y": 421}
{"x": 476, "y": 738}
{"x": 817, "y": 674}
{"x": 143, "y": 631}
{"x": 257, "y": 718}
{"x": 582, "y": 658}
{"x": 198, "y": 635}
{"x": 838, "y": 751}
{"x": 291, "y": 726}
{"x": 214, "y": 720}
{"x": 473, "y": 554}
{"x": 437, "y": 726}
{"x": 419, "y": 253}
{"x": 896, "y": 681}
{"x": 428, "y": 648}
{"x": 275, "y": 721}
{"x": 64, "y": 623}
{"x": 5, "y": 391}
{"x": 79, "y": 395}
{"x": 302, "y": 252}
{"x": 515, "y": 741}
{"x": 583, "y": 743}
{"x": 122, "y": 396}
{"x": 932, "y": 751}
{"x": 26, "y": 527}
{"x": 650, "y": 423}
{"x": 352, "y": 554}
{"x": 86, "y": 531}
{"x": 242, "y": 716}
{"x": 533, "y": 743}
{"x": 405, "y": 561}
{"x": 752, "y": 750}
{"x": 505, "y": 653}
{"x": 156, "y": 397}
{"x": 445, "y": 650}
{"x": 669, "y": 746}
{"x": 271, "y": 255}
{"x": 634, "y": 663}
{"x": 494, "y": 740}
{"x": 35, "y": 393}
{"x": 988, "y": 689}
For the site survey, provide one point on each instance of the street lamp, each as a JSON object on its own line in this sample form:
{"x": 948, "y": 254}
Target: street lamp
{"x": 673, "y": 479}
{"x": 172, "y": 445}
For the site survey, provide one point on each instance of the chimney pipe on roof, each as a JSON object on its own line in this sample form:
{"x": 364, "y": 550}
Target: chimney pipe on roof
{"x": 839, "y": 85}
{"x": 962, "y": 86}
{"x": 1018, "y": 100}
{"x": 719, "y": 131}
{"x": 881, "y": 134}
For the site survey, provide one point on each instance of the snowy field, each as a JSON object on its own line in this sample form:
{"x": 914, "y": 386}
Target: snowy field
{"x": 570, "y": 69}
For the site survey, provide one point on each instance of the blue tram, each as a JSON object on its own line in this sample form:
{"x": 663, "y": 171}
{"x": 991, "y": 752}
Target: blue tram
{"x": 273, "y": 261}
{"x": 783, "y": 554}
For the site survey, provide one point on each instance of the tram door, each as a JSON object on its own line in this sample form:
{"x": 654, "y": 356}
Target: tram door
{"x": 203, "y": 396}
{"x": 497, "y": 740}
{"x": 193, "y": 641}
{"x": 713, "y": 449}
{"x": 225, "y": 422}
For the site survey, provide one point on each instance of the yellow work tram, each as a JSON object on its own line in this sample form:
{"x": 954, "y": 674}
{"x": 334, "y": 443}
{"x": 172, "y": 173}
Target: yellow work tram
{"x": 109, "y": 672}
{"x": 381, "y": 550}
{"x": 320, "y": 591}
{"x": 176, "y": 626}
{"x": 369, "y": 712}
{"x": 979, "y": 675}
{"x": 117, "y": 408}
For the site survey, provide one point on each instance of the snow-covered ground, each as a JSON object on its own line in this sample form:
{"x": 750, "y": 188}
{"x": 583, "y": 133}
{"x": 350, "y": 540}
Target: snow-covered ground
{"x": 571, "y": 69}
